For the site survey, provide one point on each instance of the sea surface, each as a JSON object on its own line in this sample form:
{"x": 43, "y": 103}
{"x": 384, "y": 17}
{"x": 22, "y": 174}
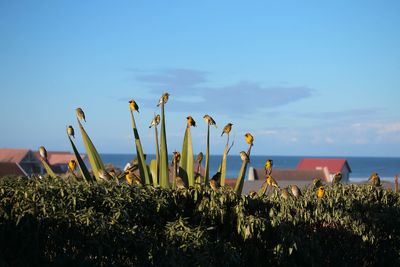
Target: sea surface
{"x": 361, "y": 167}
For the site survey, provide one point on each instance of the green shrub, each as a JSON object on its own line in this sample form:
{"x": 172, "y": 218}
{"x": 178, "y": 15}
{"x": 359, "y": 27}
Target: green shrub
{"x": 56, "y": 222}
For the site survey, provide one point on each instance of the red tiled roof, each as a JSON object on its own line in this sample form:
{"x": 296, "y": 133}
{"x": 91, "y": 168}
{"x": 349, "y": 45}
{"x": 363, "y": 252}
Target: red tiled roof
{"x": 333, "y": 165}
{"x": 230, "y": 182}
{"x": 10, "y": 168}
{"x": 12, "y": 155}
{"x": 58, "y": 157}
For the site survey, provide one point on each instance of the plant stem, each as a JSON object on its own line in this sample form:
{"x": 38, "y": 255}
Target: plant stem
{"x": 144, "y": 173}
{"x": 164, "y": 173}
{"x": 207, "y": 166}
{"x": 157, "y": 155}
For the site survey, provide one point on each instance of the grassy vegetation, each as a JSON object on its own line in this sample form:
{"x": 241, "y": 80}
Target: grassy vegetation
{"x": 56, "y": 222}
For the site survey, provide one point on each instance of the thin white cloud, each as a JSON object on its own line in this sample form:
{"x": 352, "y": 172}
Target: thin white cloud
{"x": 281, "y": 134}
{"x": 376, "y": 132}
{"x": 361, "y": 141}
{"x": 329, "y": 140}
{"x": 390, "y": 128}
{"x": 190, "y": 99}
{"x": 349, "y": 114}
{"x": 380, "y": 127}
{"x": 266, "y": 132}
{"x": 344, "y": 134}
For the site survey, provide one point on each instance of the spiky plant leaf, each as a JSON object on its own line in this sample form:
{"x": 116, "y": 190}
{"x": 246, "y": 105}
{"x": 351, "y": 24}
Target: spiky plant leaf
{"x": 82, "y": 167}
{"x": 222, "y": 166}
{"x": 153, "y": 171}
{"x": 240, "y": 179}
{"x": 144, "y": 174}
{"x": 207, "y": 164}
{"x": 174, "y": 174}
{"x": 94, "y": 157}
{"x": 242, "y": 173}
{"x": 156, "y": 176}
{"x": 163, "y": 171}
{"x": 263, "y": 189}
{"x": 186, "y": 162}
{"x": 48, "y": 168}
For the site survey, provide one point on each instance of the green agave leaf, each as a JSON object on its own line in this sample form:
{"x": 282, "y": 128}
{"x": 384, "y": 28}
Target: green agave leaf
{"x": 240, "y": 179}
{"x": 156, "y": 176}
{"x": 164, "y": 173}
{"x": 82, "y": 167}
{"x": 48, "y": 168}
{"x": 94, "y": 157}
{"x": 139, "y": 150}
{"x": 186, "y": 162}
{"x": 222, "y": 166}
{"x": 153, "y": 171}
{"x": 242, "y": 173}
{"x": 261, "y": 192}
{"x": 207, "y": 164}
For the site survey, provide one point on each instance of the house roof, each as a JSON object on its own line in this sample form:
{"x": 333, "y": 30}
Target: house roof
{"x": 10, "y": 168}
{"x": 12, "y": 155}
{"x": 58, "y": 157}
{"x": 333, "y": 165}
{"x": 291, "y": 174}
{"x": 230, "y": 182}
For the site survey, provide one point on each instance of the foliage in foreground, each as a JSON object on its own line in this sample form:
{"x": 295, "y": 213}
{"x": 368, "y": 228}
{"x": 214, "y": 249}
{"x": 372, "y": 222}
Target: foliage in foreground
{"x": 56, "y": 222}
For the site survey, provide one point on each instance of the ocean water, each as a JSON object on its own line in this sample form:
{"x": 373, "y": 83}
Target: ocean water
{"x": 361, "y": 167}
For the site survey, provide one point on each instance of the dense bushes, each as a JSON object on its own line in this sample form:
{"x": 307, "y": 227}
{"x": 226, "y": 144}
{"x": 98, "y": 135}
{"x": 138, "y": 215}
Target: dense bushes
{"x": 53, "y": 222}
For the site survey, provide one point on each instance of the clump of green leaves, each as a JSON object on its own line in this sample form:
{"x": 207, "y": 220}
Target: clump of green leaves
{"x": 58, "y": 222}
{"x": 163, "y": 171}
{"x": 186, "y": 170}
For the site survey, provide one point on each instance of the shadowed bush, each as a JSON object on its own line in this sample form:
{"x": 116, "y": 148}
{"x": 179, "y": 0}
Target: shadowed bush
{"x": 54, "y": 222}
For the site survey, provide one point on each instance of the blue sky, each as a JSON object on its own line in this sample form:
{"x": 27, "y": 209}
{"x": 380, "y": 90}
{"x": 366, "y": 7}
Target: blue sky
{"x": 304, "y": 77}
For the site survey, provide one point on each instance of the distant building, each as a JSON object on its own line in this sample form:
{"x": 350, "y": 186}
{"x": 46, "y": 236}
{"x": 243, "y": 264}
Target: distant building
{"x": 307, "y": 170}
{"x": 15, "y": 161}
{"x": 26, "y": 162}
{"x": 290, "y": 175}
{"x": 284, "y": 177}
{"x": 10, "y": 168}
{"x": 329, "y": 166}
